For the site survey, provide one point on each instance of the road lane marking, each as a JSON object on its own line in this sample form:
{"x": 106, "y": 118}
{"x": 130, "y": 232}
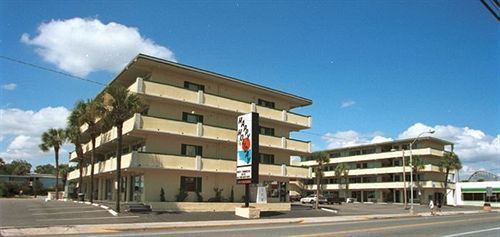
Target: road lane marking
{"x": 88, "y": 218}
{"x": 56, "y": 208}
{"x": 67, "y": 212}
{"x": 472, "y": 232}
{"x": 390, "y": 227}
{"x": 284, "y": 226}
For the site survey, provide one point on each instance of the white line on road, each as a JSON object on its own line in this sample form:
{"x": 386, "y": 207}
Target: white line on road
{"x": 67, "y": 212}
{"x": 56, "y": 208}
{"x": 87, "y": 218}
{"x": 472, "y": 232}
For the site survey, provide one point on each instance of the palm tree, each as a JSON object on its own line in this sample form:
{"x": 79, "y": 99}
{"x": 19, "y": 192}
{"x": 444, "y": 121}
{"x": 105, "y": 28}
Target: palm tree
{"x": 342, "y": 170}
{"x": 450, "y": 161}
{"x": 94, "y": 110}
{"x": 54, "y": 138}
{"x": 74, "y": 135}
{"x": 121, "y": 105}
{"x": 321, "y": 158}
{"x": 418, "y": 164}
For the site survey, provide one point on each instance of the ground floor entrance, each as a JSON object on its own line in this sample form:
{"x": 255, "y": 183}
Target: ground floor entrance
{"x": 155, "y": 185}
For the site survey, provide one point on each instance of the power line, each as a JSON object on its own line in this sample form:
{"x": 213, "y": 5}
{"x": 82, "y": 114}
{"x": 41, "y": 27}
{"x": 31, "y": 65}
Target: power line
{"x": 49, "y": 69}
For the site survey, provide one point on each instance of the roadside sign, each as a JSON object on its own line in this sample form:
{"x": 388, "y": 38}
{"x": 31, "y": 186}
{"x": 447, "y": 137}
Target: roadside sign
{"x": 247, "y": 157}
{"x": 489, "y": 191}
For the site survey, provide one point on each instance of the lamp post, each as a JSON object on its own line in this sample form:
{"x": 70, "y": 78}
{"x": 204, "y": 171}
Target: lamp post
{"x": 411, "y": 168}
{"x": 404, "y": 181}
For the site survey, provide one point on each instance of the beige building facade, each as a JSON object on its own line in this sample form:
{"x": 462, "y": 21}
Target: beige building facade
{"x": 375, "y": 171}
{"x": 185, "y": 137}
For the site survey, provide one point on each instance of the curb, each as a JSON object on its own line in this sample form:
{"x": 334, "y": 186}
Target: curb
{"x": 111, "y": 211}
{"x": 106, "y": 228}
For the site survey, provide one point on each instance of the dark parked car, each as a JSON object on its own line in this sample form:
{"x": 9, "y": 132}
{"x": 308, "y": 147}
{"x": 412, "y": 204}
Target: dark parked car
{"x": 330, "y": 199}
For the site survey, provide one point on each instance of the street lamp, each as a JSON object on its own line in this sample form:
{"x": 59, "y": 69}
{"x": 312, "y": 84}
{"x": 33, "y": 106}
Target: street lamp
{"x": 411, "y": 168}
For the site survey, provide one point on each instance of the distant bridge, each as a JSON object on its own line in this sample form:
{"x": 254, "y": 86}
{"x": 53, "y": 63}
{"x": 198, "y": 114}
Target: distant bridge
{"x": 483, "y": 176}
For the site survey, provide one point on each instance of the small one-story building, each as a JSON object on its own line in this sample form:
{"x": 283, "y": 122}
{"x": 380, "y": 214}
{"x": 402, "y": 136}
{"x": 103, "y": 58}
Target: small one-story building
{"x": 47, "y": 181}
{"x": 475, "y": 194}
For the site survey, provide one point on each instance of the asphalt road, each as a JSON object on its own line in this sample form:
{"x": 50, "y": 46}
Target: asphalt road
{"x": 486, "y": 224}
{"x": 38, "y": 213}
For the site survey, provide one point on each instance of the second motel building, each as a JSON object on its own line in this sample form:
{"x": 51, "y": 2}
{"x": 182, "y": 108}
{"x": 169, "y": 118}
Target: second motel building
{"x": 380, "y": 172}
{"x": 185, "y": 137}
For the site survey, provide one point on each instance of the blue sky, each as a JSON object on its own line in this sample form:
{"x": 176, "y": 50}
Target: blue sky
{"x": 375, "y": 70}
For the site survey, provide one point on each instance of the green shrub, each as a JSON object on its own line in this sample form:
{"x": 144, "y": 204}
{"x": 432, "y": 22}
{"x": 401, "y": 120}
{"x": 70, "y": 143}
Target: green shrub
{"x": 162, "y": 195}
{"x": 218, "y": 195}
{"x": 9, "y": 189}
{"x": 199, "y": 198}
{"x": 182, "y": 195}
{"x": 231, "y": 198}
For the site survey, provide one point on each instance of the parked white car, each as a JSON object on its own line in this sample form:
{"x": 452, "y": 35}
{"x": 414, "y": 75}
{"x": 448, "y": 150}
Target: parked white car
{"x": 312, "y": 199}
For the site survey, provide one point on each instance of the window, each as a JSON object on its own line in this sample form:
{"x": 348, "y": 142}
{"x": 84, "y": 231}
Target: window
{"x": 266, "y": 131}
{"x": 191, "y": 184}
{"x": 265, "y": 103}
{"x": 193, "y": 86}
{"x": 355, "y": 180}
{"x": 191, "y": 150}
{"x": 192, "y": 118}
{"x": 361, "y": 165}
{"x": 335, "y": 155}
{"x": 397, "y": 163}
{"x": 371, "y": 179}
{"x": 139, "y": 147}
{"x": 266, "y": 158}
{"x": 369, "y": 151}
{"x": 354, "y": 153}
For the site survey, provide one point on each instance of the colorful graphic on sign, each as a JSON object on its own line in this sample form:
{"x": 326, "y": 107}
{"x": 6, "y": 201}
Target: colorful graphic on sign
{"x": 247, "y": 148}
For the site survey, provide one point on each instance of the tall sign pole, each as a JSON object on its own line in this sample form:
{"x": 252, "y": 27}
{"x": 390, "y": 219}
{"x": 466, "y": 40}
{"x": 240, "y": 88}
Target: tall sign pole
{"x": 247, "y": 157}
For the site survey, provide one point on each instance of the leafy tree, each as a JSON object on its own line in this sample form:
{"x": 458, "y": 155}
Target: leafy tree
{"x": 63, "y": 172}
{"x": 45, "y": 169}
{"x": 418, "y": 164}
{"x": 450, "y": 161}
{"x": 18, "y": 167}
{"x": 321, "y": 158}
{"x": 54, "y": 138}
{"x": 93, "y": 110}
{"x": 2, "y": 166}
{"x": 120, "y": 105}
{"x": 75, "y": 136}
{"x": 342, "y": 170}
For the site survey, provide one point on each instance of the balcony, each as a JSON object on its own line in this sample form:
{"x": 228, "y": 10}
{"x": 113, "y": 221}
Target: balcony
{"x": 218, "y": 102}
{"x": 137, "y": 160}
{"x": 380, "y": 156}
{"x": 174, "y": 127}
{"x": 382, "y": 185}
{"x": 383, "y": 170}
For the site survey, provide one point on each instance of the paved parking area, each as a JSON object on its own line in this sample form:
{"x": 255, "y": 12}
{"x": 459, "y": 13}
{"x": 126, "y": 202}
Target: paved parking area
{"x": 37, "y": 212}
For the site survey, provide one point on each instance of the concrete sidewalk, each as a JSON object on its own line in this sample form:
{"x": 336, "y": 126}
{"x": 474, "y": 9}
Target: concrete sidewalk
{"x": 107, "y": 228}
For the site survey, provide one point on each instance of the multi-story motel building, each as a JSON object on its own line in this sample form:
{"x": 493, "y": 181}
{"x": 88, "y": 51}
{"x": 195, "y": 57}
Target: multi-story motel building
{"x": 376, "y": 171}
{"x": 185, "y": 137}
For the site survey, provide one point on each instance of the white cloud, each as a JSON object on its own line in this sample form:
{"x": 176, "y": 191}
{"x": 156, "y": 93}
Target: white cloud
{"x": 81, "y": 46}
{"x": 27, "y": 122}
{"x": 347, "y": 104}
{"x": 9, "y": 87}
{"x": 352, "y": 138}
{"x": 22, "y": 147}
{"x": 477, "y": 150}
{"x": 21, "y": 130}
